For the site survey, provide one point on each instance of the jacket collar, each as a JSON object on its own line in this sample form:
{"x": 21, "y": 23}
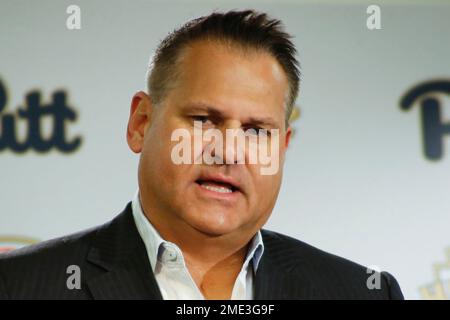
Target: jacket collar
{"x": 280, "y": 275}
{"x": 119, "y": 250}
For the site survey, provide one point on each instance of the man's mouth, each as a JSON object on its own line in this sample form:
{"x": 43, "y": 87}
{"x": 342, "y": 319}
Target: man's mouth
{"x": 217, "y": 186}
{"x": 218, "y": 183}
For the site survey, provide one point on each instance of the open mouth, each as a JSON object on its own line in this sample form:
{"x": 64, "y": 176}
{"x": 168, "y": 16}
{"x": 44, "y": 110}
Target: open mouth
{"x": 217, "y": 186}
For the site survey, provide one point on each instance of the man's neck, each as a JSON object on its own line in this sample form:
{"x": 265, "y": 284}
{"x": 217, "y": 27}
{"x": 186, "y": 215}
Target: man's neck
{"x": 216, "y": 281}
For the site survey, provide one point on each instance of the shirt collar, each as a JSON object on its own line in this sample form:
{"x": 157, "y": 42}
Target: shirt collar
{"x": 255, "y": 251}
{"x": 148, "y": 233}
{"x": 153, "y": 240}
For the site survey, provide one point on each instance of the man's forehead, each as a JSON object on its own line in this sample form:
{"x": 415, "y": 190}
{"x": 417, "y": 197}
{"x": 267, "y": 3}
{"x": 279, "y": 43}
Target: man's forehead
{"x": 211, "y": 70}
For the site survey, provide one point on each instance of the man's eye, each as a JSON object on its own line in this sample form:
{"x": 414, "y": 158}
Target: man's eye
{"x": 202, "y": 119}
{"x": 258, "y": 131}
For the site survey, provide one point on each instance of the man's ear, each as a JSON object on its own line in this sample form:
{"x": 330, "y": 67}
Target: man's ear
{"x": 140, "y": 115}
{"x": 288, "y": 137}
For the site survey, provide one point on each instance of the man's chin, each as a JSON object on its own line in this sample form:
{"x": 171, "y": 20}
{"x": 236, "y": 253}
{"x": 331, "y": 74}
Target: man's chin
{"x": 215, "y": 226}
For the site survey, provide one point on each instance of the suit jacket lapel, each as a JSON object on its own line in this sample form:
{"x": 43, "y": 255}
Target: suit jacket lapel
{"x": 278, "y": 276}
{"x": 120, "y": 251}
{"x": 269, "y": 281}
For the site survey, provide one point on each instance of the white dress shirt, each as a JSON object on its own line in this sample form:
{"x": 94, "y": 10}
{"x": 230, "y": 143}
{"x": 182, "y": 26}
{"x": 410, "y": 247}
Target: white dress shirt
{"x": 169, "y": 267}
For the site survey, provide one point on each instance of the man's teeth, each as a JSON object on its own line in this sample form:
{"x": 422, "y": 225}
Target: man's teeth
{"x": 215, "y": 188}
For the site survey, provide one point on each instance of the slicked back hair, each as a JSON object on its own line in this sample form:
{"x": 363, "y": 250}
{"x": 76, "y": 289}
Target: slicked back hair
{"x": 245, "y": 29}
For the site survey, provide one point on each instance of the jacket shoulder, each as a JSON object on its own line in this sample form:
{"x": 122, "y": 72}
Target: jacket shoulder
{"x": 330, "y": 275}
{"x": 40, "y": 271}
{"x": 59, "y": 247}
{"x": 298, "y": 250}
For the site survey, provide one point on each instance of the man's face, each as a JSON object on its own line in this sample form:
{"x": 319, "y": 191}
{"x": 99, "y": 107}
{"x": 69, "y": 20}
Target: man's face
{"x": 224, "y": 89}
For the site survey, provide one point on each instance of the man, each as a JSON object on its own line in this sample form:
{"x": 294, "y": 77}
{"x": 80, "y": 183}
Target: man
{"x": 193, "y": 230}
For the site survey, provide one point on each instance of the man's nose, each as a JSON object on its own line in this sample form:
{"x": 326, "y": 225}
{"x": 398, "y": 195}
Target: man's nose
{"x": 233, "y": 145}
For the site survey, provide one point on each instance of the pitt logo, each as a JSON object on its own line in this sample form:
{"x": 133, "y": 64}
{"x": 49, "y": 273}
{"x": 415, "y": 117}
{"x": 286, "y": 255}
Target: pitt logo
{"x": 433, "y": 127}
{"x": 440, "y": 288}
{"x": 32, "y": 113}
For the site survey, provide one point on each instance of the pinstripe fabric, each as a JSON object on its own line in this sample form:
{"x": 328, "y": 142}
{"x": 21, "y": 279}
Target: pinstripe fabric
{"x": 291, "y": 269}
{"x": 114, "y": 265}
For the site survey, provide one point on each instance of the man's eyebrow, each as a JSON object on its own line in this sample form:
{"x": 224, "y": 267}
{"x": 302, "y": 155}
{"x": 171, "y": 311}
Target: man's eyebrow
{"x": 265, "y": 121}
{"x": 200, "y": 107}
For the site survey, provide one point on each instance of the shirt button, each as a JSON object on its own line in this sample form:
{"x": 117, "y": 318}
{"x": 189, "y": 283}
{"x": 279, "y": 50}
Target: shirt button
{"x": 170, "y": 255}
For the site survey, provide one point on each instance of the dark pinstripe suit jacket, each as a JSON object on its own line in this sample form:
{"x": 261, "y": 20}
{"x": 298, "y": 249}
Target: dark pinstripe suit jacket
{"x": 114, "y": 265}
